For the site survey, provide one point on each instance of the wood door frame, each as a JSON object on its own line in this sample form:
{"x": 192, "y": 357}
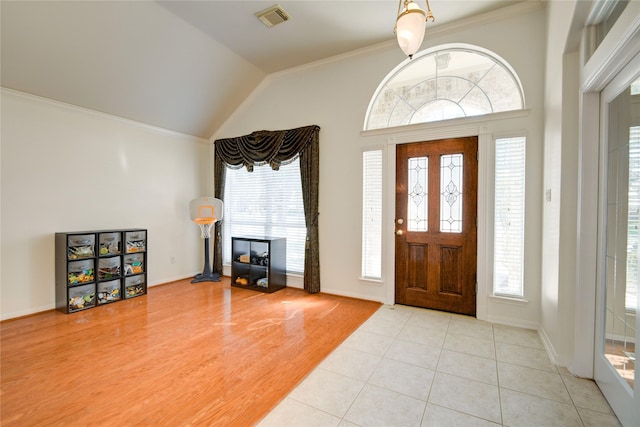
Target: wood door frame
{"x": 485, "y": 181}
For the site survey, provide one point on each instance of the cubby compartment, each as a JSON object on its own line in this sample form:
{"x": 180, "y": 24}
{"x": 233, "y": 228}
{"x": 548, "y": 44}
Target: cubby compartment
{"x": 80, "y": 272}
{"x": 109, "y": 244}
{"x": 134, "y": 264}
{"x": 109, "y": 291}
{"x": 109, "y": 268}
{"x": 82, "y": 297}
{"x": 81, "y": 246}
{"x": 134, "y": 286}
{"x": 136, "y": 241}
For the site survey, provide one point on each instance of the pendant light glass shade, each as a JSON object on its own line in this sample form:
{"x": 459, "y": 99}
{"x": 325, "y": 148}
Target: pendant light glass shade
{"x": 410, "y": 26}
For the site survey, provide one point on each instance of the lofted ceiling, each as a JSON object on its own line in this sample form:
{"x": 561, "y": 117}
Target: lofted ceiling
{"x": 184, "y": 65}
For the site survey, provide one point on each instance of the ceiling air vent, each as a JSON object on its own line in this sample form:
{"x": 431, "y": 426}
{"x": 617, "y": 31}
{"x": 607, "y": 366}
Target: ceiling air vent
{"x": 273, "y": 16}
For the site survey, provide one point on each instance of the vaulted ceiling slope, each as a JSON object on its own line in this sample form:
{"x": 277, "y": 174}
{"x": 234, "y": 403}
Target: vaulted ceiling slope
{"x": 183, "y": 65}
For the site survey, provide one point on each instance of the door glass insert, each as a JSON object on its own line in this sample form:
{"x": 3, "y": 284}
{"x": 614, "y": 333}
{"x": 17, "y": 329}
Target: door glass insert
{"x": 622, "y": 240}
{"x": 418, "y": 194}
{"x": 451, "y": 193}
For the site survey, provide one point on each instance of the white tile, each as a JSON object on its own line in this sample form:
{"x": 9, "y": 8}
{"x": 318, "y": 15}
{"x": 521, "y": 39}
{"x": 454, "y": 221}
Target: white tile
{"x": 351, "y": 363}
{"x": 430, "y": 319}
{"x": 422, "y": 334}
{"x": 519, "y": 409}
{"x": 465, "y": 325}
{"x": 586, "y": 394}
{"x": 383, "y": 373}
{"x": 438, "y": 416}
{"x": 384, "y": 324}
{"x": 394, "y": 312}
{"x": 291, "y": 413}
{"x": 597, "y": 419}
{"x": 467, "y": 366}
{"x": 414, "y": 353}
{"x": 403, "y": 378}
{"x": 376, "y": 406}
{"x": 368, "y": 342}
{"x": 517, "y": 336}
{"x": 328, "y": 391}
{"x": 524, "y": 356}
{"x": 470, "y": 345}
{"x": 470, "y": 397}
{"x": 532, "y": 381}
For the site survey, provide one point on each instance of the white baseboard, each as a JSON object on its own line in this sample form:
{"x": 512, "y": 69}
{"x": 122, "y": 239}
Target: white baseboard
{"x": 21, "y": 313}
{"x": 551, "y": 352}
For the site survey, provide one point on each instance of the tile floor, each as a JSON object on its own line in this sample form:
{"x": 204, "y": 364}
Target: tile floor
{"x": 413, "y": 367}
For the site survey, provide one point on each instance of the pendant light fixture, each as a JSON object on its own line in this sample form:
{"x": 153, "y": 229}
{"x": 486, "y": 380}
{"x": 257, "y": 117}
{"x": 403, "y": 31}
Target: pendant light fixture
{"x": 410, "y": 26}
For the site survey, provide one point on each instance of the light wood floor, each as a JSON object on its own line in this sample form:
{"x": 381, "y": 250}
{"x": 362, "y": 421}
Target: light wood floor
{"x": 185, "y": 354}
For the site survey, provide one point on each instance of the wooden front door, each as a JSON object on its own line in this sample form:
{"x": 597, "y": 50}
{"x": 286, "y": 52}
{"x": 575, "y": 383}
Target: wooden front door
{"x": 436, "y": 215}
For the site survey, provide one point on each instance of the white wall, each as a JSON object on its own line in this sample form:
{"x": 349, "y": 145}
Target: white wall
{"x": 556, "y": 335}
{"x": 69, "y": 169}
{"x": 335, "y": 95}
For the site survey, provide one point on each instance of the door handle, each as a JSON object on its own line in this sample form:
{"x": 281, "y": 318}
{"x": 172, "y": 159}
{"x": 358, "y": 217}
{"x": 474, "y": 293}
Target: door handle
{"x": 399, "y": 232}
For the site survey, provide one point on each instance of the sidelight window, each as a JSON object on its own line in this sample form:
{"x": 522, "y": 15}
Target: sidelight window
{"x": 509, "y": 217}
{"x": 372, "y": 214}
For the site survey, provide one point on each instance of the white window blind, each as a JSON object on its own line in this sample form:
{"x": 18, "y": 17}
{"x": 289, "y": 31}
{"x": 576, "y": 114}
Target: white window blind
{"x": 633, "y": 221}
{"x": 372, "y": 214}
{"x": 266, "y": 203}
{"x": 509, "y": 217}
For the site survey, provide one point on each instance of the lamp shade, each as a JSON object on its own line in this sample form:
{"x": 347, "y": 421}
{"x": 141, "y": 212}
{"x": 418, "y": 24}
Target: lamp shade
{"x": 410, "y": 27}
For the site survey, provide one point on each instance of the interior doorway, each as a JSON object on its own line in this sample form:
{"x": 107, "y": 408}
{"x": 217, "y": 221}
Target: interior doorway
{"x": 436, "y": 224}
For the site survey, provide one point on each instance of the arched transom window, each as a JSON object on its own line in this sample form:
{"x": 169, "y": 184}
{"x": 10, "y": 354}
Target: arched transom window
{"x": 447, "y": 82}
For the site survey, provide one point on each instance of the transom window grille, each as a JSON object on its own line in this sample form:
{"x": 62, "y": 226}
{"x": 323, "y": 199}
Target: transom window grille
{"x": 418, "y": 194}
{"x": 451, "y": 193}
{"x": 445, "y": 83}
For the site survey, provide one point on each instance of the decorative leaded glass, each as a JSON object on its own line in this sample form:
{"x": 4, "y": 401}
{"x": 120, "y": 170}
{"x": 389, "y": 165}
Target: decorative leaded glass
{"x": 451, "y": 193}
{"x": 418, "y": 194}
{"x": 445, "y": 84}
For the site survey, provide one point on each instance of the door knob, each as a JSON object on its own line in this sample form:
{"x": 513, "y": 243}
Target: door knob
{"x": 399, "y": 232}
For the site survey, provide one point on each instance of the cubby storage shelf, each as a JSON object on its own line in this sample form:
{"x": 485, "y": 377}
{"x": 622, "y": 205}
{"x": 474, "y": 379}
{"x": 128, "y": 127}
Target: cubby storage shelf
{"x": 259, "y": 263}
{"x": 99, "y": 267}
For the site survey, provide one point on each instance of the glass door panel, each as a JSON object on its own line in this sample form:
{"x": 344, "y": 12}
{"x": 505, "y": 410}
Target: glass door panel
{"x": 618, "y": 303}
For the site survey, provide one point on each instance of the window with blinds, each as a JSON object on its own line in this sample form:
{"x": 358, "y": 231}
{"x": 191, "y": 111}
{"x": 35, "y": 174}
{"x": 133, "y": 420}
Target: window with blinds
{"x": 372, "y": 214}
{"x": 508, "y": 258}
{"x": 633, "y": 220}
{"x": 266, "y": 203}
